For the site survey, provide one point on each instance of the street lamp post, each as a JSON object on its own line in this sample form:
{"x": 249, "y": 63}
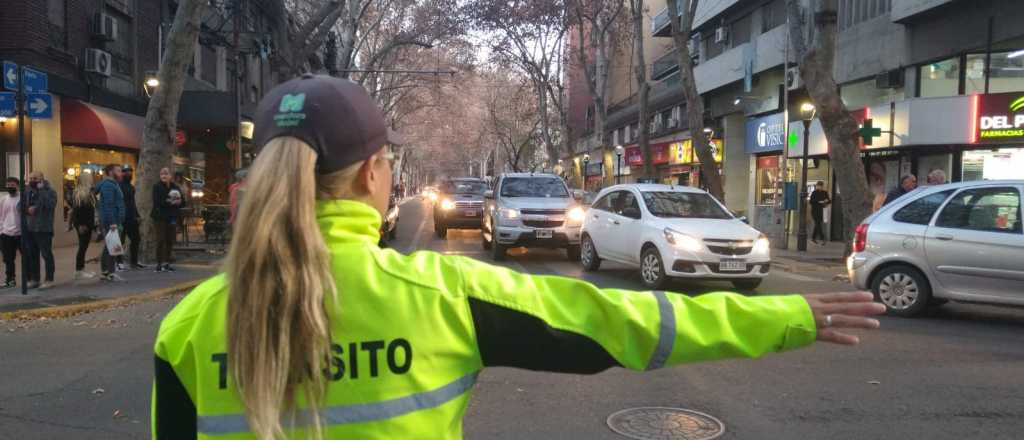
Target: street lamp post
{"x": 618, "y": 163}
{"x": 586, "y": 161}
{"x": 807, "y": 110}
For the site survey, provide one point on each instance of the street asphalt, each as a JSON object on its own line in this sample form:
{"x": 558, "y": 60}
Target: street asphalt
{"x": 957, "y": 374}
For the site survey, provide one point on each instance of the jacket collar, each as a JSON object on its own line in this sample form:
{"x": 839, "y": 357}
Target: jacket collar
{"x": 348, "y": 221}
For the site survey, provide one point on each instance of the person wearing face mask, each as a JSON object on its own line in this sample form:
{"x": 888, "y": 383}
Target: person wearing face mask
{"x": 10, "y": 229}
{"x": 41, "y": 201}
{"x": 168, "y": 199}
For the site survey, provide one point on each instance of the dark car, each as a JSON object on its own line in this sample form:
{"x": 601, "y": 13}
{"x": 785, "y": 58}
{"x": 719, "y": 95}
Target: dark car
{"x": 389, "y": 227}
{"x": 460, "y": 205}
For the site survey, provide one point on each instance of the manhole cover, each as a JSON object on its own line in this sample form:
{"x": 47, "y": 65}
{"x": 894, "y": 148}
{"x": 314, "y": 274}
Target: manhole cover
{"x": 665, "y": 424}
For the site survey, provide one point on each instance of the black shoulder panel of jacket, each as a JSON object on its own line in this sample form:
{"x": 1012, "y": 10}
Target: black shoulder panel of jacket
{"x": 510, "y": 338}
{"x": 175, "y": 412}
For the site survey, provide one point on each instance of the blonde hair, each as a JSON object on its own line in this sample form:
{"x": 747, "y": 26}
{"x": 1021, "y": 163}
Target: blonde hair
{"x": 279, "y": 277}
{"x": 83, "y": 190}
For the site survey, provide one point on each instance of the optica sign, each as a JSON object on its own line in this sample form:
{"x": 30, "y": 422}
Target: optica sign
{"x": 766, "y": 134}
{"x": 1000, "y": 117}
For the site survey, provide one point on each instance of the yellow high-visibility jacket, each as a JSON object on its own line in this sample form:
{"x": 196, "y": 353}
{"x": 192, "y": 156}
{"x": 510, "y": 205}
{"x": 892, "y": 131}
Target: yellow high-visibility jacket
{"x": 411, "y": 332}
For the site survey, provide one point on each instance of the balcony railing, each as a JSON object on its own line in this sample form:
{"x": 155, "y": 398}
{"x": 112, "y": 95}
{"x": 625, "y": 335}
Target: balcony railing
{"x": 665, "y": 66}
{"x": 660, "y": 26}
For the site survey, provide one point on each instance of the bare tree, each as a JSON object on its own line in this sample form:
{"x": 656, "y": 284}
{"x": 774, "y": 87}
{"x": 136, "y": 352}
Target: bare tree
{"x": 162, "y": 113}
{"x": 637, "y": 10}
{"x": 599, "y": 26}
{"x": 681, "y": 31}
{"x": 300, "y": 30}
{"x": 816, "y": 56}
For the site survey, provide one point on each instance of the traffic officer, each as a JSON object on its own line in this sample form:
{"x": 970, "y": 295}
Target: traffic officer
{"x": 313, "y": 330}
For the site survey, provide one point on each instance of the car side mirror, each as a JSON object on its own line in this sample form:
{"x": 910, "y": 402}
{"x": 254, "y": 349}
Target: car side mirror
{"x": 489, "y": 194}
{"x": 577, "y": 194}
{"x": 743, "y": 219}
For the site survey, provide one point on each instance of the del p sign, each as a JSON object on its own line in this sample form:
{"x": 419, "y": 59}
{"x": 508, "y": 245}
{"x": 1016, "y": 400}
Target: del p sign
{"x": 1000, "y": 117}
{"x": 766, "y": 134}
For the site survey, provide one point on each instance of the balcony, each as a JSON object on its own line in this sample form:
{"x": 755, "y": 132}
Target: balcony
{"x": 660, "y": 26}
{"x": 665, "y": 65}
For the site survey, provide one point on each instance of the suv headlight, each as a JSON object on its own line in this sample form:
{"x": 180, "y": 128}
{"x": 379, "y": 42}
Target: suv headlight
{"x": 447, "y": 205}
{"x": 682, "y": 241}
{"x": 576, "y": 215}
{"x": 762, "y": 245}
{"x": 508, "y": 213}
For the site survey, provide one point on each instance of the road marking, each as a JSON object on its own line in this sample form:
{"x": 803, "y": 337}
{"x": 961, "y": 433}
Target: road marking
{"x": 796, "y": 277}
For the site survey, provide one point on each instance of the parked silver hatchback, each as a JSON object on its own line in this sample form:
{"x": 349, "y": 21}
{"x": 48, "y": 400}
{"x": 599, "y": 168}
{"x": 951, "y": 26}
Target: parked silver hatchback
{"x": 961, "y": 242}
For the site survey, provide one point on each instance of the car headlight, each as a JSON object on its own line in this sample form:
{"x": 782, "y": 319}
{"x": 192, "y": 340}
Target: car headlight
{"x": 509, "y": 213}
{"x": 576, "y": 215}
{"x": 762, "y": 245}
{"x": 432, "y": 197}
{"x": 682, "y": 241}
{"x": 447, "y": 205}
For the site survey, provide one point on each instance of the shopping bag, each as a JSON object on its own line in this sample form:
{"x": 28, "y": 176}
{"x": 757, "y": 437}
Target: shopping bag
{"x": 114, "y": 243}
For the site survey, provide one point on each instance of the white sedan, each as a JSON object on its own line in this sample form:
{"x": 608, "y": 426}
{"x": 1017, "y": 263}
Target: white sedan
{"x": 673, "y": 232}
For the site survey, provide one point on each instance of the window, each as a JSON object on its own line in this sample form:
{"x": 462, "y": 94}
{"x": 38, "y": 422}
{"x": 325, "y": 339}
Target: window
{"x": 667, "y": 204}
{"x": 712, "y": 49}
{"x": 533, "y": 187}
{"x": 626, "y": 205}
{"x": 852, "y": 12}
{"x": 208, "y": 65}
{"x": 1007, "y": 73}
{"x": 773, "y": 15}
{"x": 864, "y": 94}
{"x": 941, "y": 78}
{"x": 739, "y": 30}
{"x": 55, "y": 12}
{"x": 921, "y": 211}
{"x": 605, "y": 203}
{"x": 983, "y": 209}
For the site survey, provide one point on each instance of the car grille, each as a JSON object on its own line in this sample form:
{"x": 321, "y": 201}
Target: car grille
{"x": 729, "y": 247}
{"x": 468, "y": 204}
{"x": 542, "y": 211}
{"x": 543, "y": 223}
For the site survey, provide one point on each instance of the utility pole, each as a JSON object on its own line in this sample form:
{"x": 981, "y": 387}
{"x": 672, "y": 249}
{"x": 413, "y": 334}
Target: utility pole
{"x": 20, "y": 99}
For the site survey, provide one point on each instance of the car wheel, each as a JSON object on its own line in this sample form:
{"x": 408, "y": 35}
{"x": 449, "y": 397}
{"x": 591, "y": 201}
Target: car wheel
{"x": 747, "y": 284}
{"x": 573, "y": 251}
{"x": 903, "y": 290}
{"x": 588, "y": 255}
{"x": 497, "y": 251}
{"x": 652, "y": 270}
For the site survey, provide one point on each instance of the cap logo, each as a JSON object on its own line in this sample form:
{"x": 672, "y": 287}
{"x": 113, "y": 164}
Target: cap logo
{"x": 290, "y": 111}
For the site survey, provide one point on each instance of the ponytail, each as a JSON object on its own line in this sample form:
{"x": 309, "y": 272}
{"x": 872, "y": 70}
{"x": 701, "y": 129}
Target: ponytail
{"x": 279, "y": 274}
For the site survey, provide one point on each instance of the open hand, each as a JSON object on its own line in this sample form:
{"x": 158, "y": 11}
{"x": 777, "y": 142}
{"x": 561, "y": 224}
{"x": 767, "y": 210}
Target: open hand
{"x": 845, "y": 310}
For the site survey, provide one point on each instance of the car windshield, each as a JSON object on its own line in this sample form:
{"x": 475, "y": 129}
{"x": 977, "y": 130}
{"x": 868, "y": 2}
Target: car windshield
{"x": 533, "y": 187}
{"x": 670, "y": 204}
{"x": 465, "y": 187}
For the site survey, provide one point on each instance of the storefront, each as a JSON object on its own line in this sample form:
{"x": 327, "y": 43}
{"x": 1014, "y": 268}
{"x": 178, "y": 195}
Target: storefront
{"x": 593, "y": 172}
{"x": 683, "y": 165}
{"x": 659, "y": 156}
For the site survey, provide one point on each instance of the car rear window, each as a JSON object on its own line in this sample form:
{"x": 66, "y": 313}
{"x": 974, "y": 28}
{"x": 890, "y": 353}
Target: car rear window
{"x": 921, "y": 211}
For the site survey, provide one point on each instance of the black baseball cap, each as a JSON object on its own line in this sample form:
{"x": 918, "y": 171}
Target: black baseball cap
{"x": 335, "y": 116}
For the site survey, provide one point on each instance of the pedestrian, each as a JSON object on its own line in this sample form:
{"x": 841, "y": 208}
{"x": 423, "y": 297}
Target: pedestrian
{"x": 167, "y": 203}
{"x": 314, "y": 326}
{"x": 10, "y": 230}
{"x": 83, "y": 220}
{"x": 41, "y": 203}
{"x": 907, "y": 184}
{"x": 936, "y": 177}
{"x": 112, "y": 217}
{"x": 131, "y": 218}
{"x": 235, "y": 193}
{"x": 819, "y": 200}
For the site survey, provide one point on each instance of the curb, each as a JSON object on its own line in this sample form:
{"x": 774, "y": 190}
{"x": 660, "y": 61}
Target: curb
{"x": 98, "y": 305}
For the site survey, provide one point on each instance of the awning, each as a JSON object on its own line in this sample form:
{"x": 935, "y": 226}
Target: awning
{"x": 91, "y": 125}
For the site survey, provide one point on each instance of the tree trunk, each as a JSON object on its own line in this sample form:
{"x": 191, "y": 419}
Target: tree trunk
{"x": 681, "y": 30}
{"x": 545, "y": 121}
{"x": 644, "y": 87}
{"x": 162, "y": 115}
{"x": 841, "y": 129}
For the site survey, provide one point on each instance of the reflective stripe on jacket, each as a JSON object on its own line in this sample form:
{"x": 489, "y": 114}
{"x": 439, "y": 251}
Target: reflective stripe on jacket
{"x": 411, "y": 332}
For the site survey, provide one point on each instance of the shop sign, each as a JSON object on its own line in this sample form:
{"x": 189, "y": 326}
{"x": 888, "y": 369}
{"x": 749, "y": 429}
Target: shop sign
{"x": 180, "y": 138}
{"x": 1000, "y": 117}
{"x": 767, "y": 162}
{"x": 766, "y": 134}
{"x": 679, "y": 169}
{"x": 680, "y": 152}
{"x": 716, "y": 150}
{"x": 634, "y": 157}
{"x": 595, "y": 169}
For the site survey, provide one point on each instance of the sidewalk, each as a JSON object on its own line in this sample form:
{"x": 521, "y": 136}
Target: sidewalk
{"x": 191, "y": 267}
{"x": 817, "y": 257}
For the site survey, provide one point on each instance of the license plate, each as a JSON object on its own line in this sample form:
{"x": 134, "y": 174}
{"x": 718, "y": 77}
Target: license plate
{"x": 544, "y": 233}
{"x": 469, "y": 213}
{"x": 733, "y": 266}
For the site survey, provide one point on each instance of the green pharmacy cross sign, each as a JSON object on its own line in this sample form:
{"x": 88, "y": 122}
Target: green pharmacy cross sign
{"x": 868, "y": 132}
{"x": 794, "y": 139}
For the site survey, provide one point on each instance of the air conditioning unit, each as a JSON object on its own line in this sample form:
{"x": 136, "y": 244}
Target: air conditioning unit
{"x": 722, "y": 35}
{"x": 892, "y": 79}
{"x": 97, "y": 61}
{"x": 793, "y": 81}
{"x": 105, "y": 27}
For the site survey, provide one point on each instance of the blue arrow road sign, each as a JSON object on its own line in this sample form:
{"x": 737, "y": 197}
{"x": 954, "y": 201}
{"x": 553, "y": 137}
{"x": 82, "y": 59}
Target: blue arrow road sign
{"x": 34, "y": 81}
{"x": 7, "y": 105}
{"x": 10, "y": 75}
{"x": 40, "y": 105}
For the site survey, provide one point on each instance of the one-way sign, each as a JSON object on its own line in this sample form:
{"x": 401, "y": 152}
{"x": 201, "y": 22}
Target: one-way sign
{"x": 10, "y": 74}
{"x": 7, "y": 105}
{"x": 40, "y": 106}
{"x": 34, "y": 81}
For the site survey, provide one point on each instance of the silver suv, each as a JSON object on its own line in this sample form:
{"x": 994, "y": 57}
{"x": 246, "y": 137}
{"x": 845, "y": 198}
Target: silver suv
{"x": 532, "y": 210}
{"x": 960, "y": 241}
